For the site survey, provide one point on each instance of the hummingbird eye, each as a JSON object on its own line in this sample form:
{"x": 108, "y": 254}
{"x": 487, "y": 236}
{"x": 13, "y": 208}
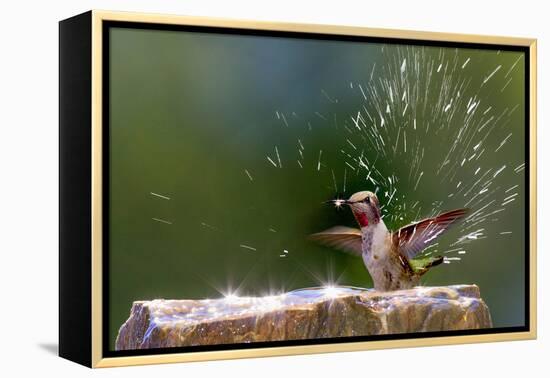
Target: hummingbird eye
{"x": 367, "y": 200}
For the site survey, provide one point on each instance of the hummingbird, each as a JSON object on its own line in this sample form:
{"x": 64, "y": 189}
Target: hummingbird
{"x": 388, "y": 256}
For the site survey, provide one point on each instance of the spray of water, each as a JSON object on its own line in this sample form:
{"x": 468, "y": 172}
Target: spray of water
{"x": 417, "y": 96}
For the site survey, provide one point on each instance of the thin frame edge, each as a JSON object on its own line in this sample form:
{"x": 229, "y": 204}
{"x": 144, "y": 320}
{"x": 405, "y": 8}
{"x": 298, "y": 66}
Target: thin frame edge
{"x": 419, "y": 35}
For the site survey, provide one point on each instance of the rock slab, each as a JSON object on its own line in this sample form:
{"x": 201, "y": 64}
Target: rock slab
{"x": 312, "y": 313}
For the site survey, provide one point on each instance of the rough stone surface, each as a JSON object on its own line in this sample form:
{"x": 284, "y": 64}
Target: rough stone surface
{"x": 302, "y": 314}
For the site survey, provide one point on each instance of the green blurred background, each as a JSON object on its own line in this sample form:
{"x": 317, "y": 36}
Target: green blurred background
{"x": 190, "y": 112}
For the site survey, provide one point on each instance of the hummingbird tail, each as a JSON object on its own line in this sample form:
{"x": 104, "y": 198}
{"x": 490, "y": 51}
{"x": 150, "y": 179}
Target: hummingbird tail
{"x": 422, "y": 265}
{"x": 435, "y": 262}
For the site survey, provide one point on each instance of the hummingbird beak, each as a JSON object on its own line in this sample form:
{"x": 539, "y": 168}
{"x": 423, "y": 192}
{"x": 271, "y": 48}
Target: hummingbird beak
{"x": 338, "y": 202}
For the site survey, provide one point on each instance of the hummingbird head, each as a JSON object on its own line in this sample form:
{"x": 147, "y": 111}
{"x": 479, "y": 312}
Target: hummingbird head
{"x": 365, "y": 207}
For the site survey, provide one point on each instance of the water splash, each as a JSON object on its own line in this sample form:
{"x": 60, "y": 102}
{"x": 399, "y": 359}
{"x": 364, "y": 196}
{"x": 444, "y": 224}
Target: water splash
{"x": 417, "y": 94}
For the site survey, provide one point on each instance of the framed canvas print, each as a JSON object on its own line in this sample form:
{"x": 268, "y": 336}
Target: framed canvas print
{"x": 235, "y": 188}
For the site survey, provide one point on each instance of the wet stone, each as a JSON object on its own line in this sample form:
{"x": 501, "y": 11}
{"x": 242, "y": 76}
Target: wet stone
{"x": 302, "y": 314}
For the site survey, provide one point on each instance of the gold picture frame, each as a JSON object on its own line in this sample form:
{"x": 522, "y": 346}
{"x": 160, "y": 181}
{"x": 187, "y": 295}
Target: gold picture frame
{"x": 93, "y": 26}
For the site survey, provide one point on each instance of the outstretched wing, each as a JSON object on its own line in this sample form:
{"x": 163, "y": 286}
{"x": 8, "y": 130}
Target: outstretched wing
{"x": 346, "y": 239}
{"x": 412, "y": 239}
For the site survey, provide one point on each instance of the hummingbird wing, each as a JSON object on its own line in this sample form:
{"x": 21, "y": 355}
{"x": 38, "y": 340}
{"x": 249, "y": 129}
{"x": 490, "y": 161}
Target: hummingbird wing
{"x": 412, "y": 239}
{"x": 346, "y": 239}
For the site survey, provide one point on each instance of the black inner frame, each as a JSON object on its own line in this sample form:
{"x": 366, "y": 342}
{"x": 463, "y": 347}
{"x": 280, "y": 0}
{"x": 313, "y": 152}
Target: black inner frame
{"x": 106, "y": 25}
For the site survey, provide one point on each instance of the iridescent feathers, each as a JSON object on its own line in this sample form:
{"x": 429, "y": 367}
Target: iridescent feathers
{"x": 414, "y": 238}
